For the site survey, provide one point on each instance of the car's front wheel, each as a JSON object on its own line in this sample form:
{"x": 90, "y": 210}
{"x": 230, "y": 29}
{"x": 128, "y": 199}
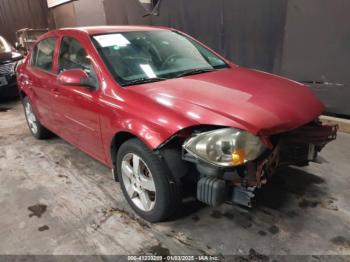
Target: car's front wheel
{"x": 146, "y": 183}
{"x": 35, "y": 127}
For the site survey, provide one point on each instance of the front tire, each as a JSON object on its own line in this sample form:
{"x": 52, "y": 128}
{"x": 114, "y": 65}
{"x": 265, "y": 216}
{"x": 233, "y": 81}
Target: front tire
{"x": 146, "y": 182}
{"x": 35, "y": 127}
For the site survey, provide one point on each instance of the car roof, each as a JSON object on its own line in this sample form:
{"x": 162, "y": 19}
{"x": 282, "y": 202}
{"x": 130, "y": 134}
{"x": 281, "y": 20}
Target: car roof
{"x": 95, "y": 30}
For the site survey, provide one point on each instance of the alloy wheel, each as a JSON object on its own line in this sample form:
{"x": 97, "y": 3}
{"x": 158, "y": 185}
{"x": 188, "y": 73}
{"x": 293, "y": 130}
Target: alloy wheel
{"x": 138, "y": 182}
{"x": 31, "y": 118}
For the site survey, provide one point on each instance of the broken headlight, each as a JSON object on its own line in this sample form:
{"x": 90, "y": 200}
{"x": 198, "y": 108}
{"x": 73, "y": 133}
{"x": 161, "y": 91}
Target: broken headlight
{"x": 225, "y": 147}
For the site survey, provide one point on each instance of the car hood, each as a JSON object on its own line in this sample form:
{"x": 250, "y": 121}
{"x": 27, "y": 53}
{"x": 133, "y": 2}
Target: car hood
{"x": 248, "y": 99}
{"x": 7, "y": 57}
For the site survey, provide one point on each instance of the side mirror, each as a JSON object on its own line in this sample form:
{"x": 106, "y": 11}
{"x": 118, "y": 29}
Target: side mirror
{"x": 77, "y": 77}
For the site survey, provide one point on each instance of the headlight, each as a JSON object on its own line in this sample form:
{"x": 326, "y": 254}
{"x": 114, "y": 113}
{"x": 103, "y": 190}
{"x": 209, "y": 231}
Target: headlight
{"x": 225, "y": 147}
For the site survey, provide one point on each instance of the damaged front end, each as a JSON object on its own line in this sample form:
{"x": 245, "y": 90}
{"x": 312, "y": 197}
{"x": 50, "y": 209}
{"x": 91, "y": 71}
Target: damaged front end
{"x": 219, "y": 183}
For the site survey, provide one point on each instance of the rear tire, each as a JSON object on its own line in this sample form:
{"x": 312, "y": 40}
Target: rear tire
{"x": 146, "y": 182}
{"x": 35, "y": 127}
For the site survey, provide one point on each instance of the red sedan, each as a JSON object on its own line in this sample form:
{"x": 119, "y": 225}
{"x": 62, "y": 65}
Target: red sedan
{"x": 161, "y": 110}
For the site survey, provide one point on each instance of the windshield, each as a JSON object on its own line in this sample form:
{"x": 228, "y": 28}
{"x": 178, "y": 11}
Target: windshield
{"x": 4, "y": 46}
{"x": 137, "y": 57}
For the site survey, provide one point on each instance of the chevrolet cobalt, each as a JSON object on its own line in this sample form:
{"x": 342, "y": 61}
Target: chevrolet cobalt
{"x": 163, "y": 110}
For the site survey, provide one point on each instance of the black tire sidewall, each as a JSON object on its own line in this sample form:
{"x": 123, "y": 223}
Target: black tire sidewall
{"x": 166, "y": 198}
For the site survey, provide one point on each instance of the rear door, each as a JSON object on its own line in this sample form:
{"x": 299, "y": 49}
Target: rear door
{"x": 76, "y": 110}
{"x": 40, "y": 78}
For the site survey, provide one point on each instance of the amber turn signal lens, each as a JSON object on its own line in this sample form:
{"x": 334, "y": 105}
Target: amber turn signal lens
{"x": 237, "y": 157}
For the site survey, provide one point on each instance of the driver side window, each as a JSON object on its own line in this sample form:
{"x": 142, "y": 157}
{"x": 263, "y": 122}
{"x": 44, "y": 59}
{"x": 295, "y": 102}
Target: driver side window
{"x": 73, "y": 56}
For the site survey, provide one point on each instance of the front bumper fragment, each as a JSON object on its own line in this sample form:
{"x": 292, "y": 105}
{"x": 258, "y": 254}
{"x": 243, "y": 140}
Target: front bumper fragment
{"x": 297, "y": 147}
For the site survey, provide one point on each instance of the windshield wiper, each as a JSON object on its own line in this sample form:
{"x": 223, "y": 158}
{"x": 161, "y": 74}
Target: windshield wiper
{"x": 195, "y": 71}
{"x": 144, "y": 81}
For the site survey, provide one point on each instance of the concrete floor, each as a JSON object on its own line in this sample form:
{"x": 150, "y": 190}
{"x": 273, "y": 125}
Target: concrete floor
{"x": 54, "y": 199}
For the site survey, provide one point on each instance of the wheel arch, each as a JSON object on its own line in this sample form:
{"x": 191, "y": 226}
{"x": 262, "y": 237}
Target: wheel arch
{"x": 169, "y": 152}
{"x": 168, "y": 148}
{"x": 150, "y": 134}
{"x": 117, "y": 140}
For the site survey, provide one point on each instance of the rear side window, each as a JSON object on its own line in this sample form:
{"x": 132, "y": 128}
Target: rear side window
{"x": 43, "y": 54}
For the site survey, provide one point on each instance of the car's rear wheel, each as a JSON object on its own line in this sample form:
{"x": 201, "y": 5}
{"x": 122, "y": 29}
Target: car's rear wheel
{"x": 35, "y": 127}
{"x": 146, "y": 183}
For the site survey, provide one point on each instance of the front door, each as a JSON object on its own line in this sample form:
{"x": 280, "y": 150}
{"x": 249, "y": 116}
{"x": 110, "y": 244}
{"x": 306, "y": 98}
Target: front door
{"x": 75, "y": 107}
